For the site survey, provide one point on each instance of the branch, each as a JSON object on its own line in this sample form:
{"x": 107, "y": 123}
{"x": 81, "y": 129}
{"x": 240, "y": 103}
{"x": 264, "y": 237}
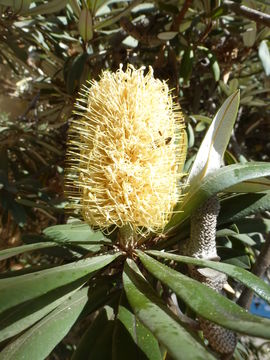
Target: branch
{"x": 178, "y": 19}
{"x": 259, "y": 268}
{"x": 255, "y": 15}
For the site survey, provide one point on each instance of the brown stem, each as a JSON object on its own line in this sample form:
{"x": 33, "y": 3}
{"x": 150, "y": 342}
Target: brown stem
{"x": 178, "y": 19}
{"x": 259, "y": 268}
{"x": 249, "y": 13}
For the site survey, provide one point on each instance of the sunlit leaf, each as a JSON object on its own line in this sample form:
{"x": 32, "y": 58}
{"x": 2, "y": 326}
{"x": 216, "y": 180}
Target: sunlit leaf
{"x": 213, "y": 146}
{"x": 153, "y": 313}
{"x": 206, "y": 302}
{"x": 18, "y": 289}
{"x": 214, "y": 183}
{"x": 37, "y": 342}
{"x": 132, "y": 337}
{"x": 245, "y": 277}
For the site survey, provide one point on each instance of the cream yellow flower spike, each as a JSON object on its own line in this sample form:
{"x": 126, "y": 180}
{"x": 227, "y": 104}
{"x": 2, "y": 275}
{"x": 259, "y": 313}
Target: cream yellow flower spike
{"x": 124, "y": 159}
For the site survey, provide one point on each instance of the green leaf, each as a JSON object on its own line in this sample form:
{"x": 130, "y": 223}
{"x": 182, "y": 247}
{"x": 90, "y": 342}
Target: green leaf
{"x": 231, "y": 234}
{"x": 215, "y": 183}
{"x": 37, "y": 342}
{"x": 253, "y": 225}
{"x": 85, "y": 25}
{"x": 21, "y": 5}
{"x": 206, "y": 302}
{"x": 187, "y": 64}
{"x": 132, "y": 337}
{"x": 249, "y": 35}
{"x": 245, "y": 277}
{"x": 237, "y": 207}
{"x": 18, "y": 289}
{"x": 17, "y": 319}
{"x": 7, "y": 253}
{"x": 213, "y": 146}
{"x": 97, "y": 340}
{"x": 52, "y": 6}
{"x": 110, "y": 21}
{"x": 76, "y": 236}
{"x": 257, "y": 185}
{"x": 167, "y": 35}
{"x": 158, "y": 319}
{"x": 75, "y": 233}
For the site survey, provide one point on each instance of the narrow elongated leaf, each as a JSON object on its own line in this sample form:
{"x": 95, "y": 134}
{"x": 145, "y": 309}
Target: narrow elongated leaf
{"x": 206, "y": 302}
{"x": 214, "y": 183}
{"x": 237, "y": 207}
{"x": 245, "y": 277}
{"x": 7, "y": 253}
{"x": 156, "y": 317}
{"x": 39, "y": 341}
{"x": 50, "y": 7}
{"x": 85, "y": 25}
{"x": 21, "y": 317}
{"x": 108, "y": 22}
{"x": 254, "y": 225}
{"x": 251, "y": 186}
{"x": 132, "y": 337}
{"x": 81, "y": 233}
{"x": 234, "y": 236}
{"x": 211, "y": 151}
{"x": 18, "y": 289}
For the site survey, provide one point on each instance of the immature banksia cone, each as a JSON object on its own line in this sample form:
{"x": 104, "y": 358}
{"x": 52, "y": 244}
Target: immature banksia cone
{"x": 126, "y": 152}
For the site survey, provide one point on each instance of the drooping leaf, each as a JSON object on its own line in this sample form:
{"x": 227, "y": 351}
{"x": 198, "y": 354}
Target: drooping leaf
{"x": 245, "y": 277}
{"x": 7, "y": 253}
{"x": 17, "y": 319}
{"x": 37, "y": 342}
{"x": 18, "y": 289}
{"x": 213, "y": 146}
{"x": 206, "y": 302}
{"x": 151, "y": 311}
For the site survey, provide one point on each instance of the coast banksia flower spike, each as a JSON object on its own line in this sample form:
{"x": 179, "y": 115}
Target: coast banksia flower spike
{"x": 125, "y": 152}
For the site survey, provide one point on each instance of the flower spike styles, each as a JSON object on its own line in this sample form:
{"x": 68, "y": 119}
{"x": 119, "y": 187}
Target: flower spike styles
{"x": 126, "y": 151}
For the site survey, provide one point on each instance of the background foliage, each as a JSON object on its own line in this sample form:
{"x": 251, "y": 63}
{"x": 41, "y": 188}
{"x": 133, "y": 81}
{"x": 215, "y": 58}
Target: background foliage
{"x": 205, "y": 49}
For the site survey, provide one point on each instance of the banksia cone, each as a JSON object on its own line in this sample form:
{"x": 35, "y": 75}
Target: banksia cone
{"x": 125, "y": 152}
